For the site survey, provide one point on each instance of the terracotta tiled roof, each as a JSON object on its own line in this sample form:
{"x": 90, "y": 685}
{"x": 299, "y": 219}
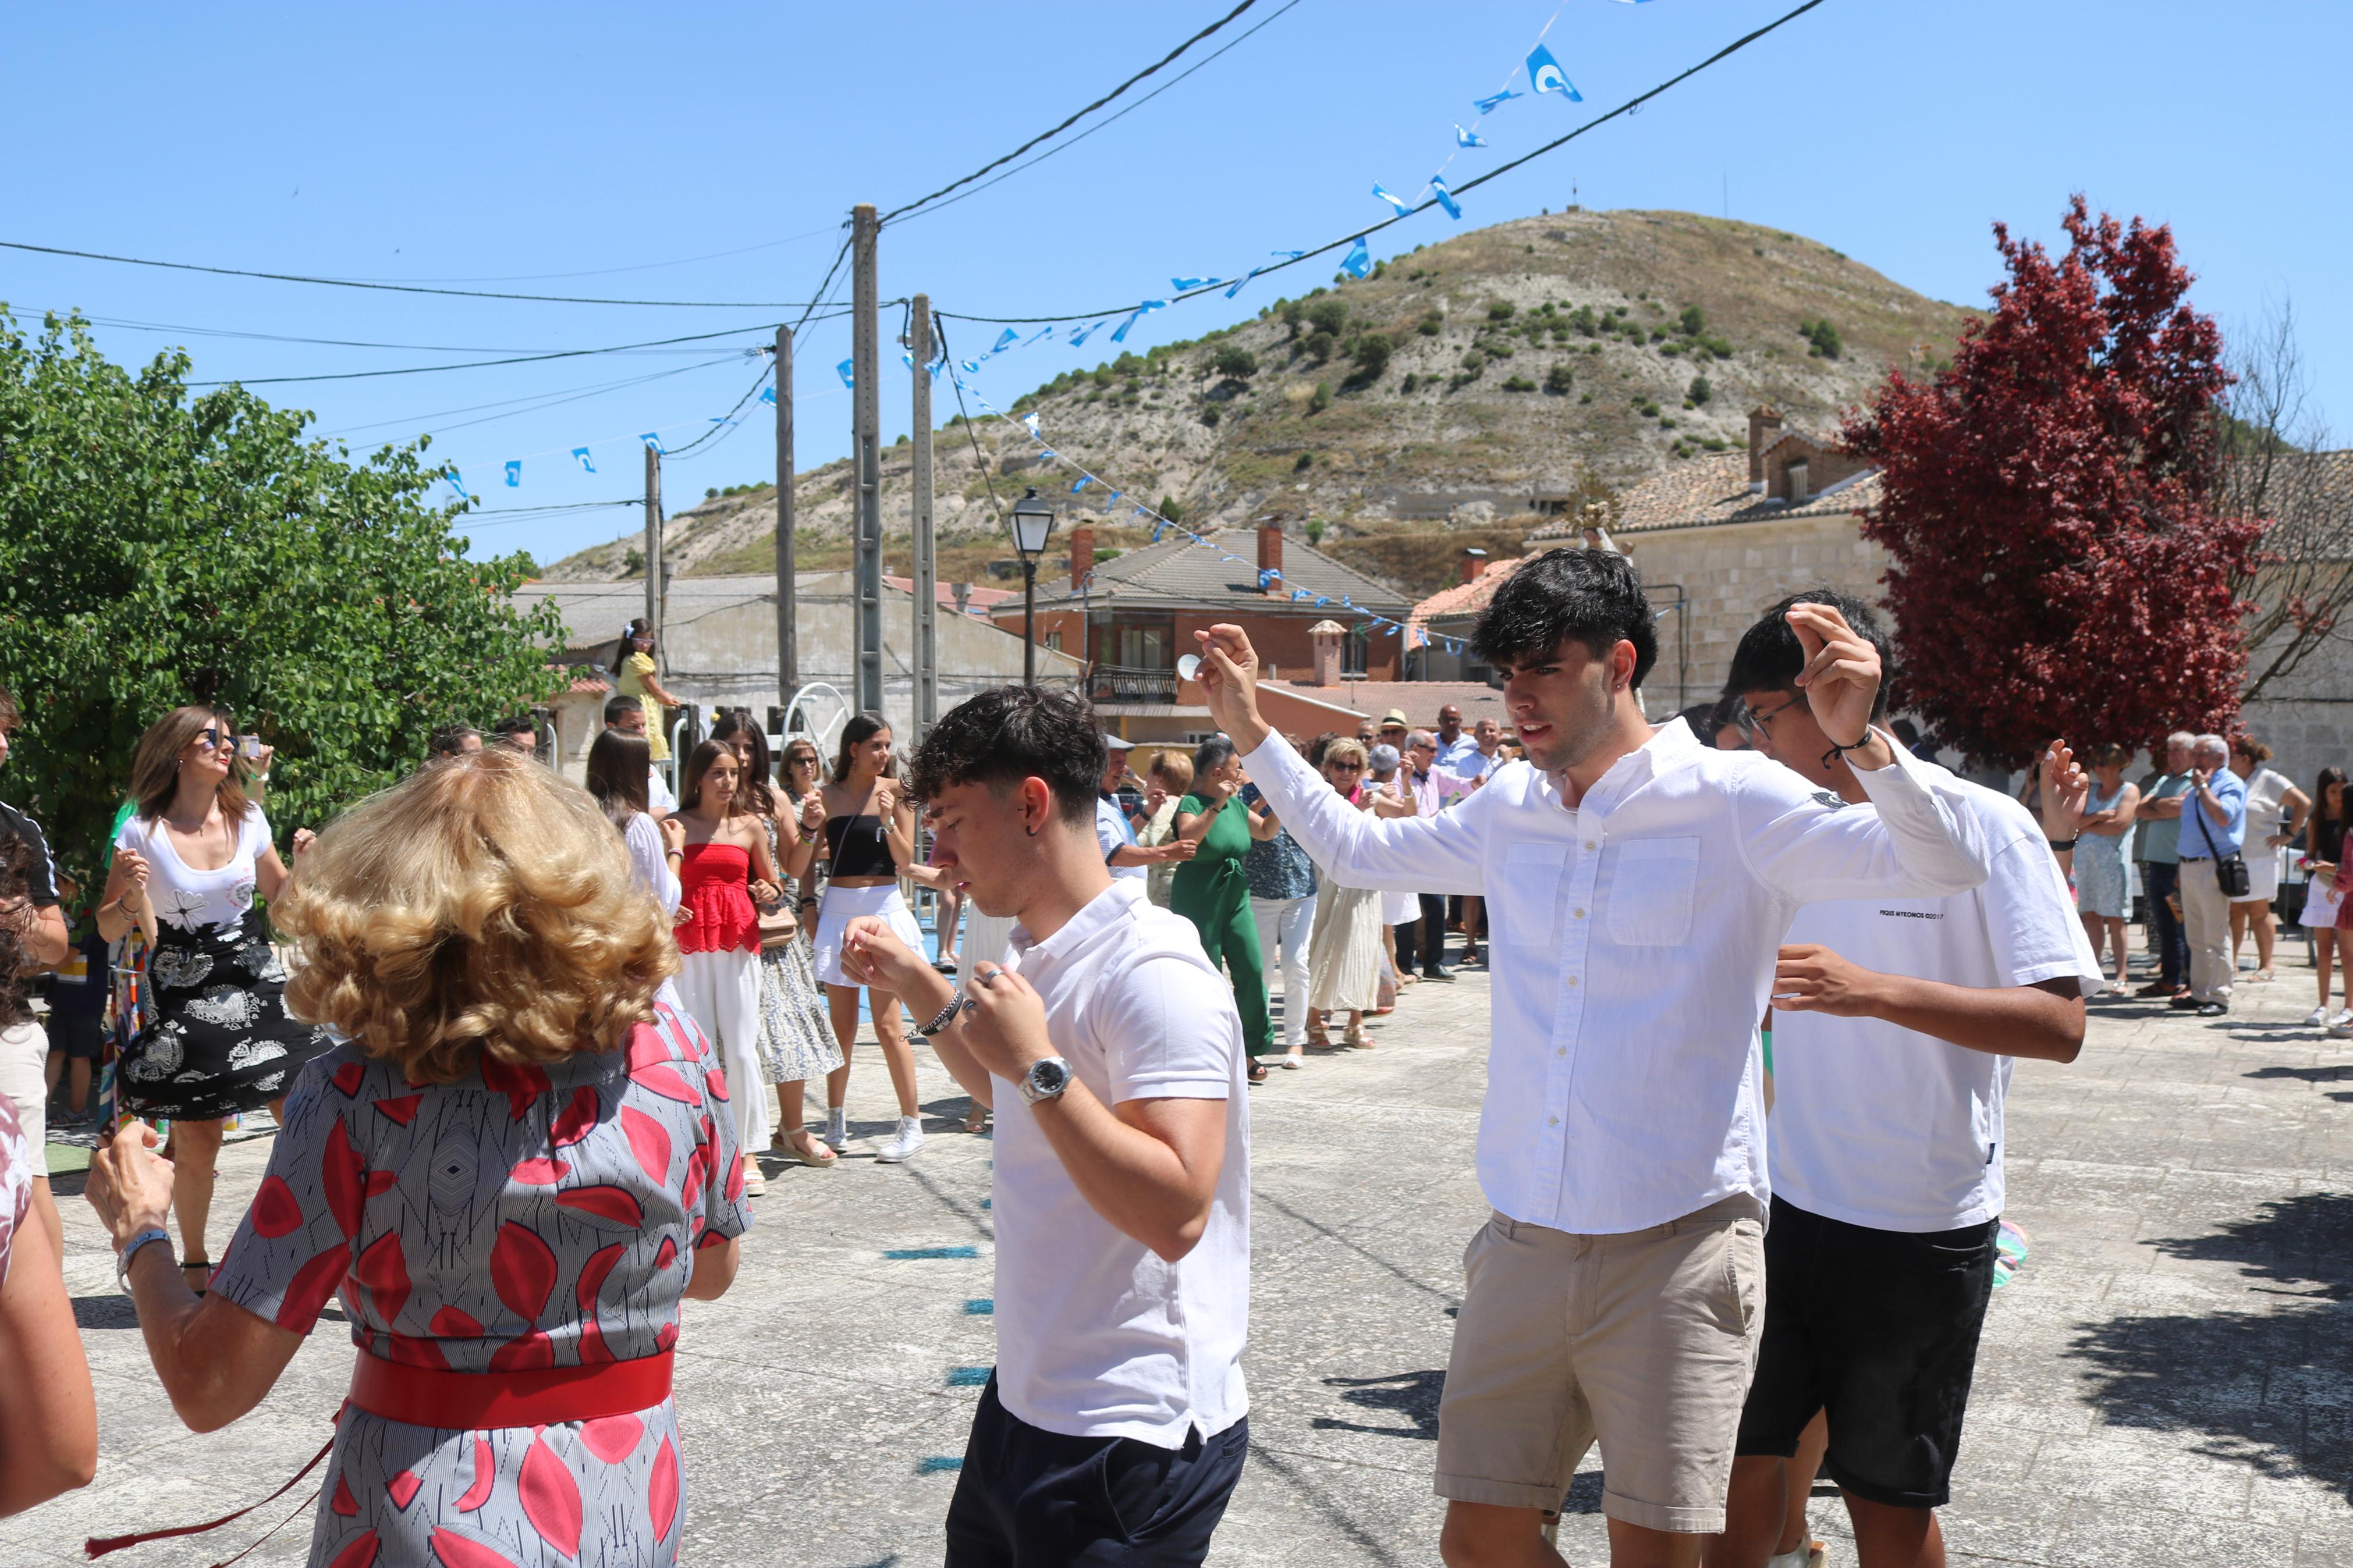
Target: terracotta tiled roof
{"x": 1465, "y": 598}
{"x": 975, "y": 596}
{"x": 1178, "y": 571}
{"x": 1714, "y": 488}
{"x": 583, "y": 684}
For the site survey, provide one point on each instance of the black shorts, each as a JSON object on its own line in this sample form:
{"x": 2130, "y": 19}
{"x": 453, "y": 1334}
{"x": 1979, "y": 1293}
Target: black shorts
{"x": 76, "y": 1035}
{"x": 1028, "y": 1498}
{"x": 1878, "y": 1327}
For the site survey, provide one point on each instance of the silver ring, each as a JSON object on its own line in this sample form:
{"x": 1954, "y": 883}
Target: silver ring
{"x": 981, "y": 979}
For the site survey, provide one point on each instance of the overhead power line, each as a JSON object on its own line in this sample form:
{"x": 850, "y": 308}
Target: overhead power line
{"x": 1629, "y": 107}
{"x": 481, "y": 364}
{"x": 399, "y": 288}
{"x": 1073, "y": 119}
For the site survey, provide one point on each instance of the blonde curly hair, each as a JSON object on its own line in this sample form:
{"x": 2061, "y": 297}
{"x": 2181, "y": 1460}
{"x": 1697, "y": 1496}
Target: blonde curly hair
{"x": 483, "y": 906}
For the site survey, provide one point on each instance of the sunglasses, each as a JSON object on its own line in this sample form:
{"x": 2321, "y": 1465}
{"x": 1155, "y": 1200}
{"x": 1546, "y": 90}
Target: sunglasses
{"x": 1346, "y": 767}
{"x": 214, "y": 739}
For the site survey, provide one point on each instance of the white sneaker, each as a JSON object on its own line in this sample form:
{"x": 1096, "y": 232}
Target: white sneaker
{"x": 903, "y": 1143}
{"x": 2340, "y": 1028}
{"x": 837, "y": 1129}
{"x": 2316, "y": 1019}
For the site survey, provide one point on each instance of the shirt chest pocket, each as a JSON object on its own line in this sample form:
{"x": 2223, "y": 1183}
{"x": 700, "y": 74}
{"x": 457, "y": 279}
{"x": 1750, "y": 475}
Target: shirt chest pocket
{"x": 1528, "y": 915}
{"x": 1650, "y": 890}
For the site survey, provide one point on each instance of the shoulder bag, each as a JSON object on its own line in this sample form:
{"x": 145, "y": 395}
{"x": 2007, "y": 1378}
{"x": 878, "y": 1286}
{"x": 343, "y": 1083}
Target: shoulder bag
{"x": 2230, "y": 873}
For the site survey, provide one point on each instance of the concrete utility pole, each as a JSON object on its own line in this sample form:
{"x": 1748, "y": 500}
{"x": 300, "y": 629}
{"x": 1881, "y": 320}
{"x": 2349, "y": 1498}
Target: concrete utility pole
{"x": 657, "y": 589}
{"x": 927, "y": 631}
{"x": 788, "y": 652}
{"x": 866, "y": 584}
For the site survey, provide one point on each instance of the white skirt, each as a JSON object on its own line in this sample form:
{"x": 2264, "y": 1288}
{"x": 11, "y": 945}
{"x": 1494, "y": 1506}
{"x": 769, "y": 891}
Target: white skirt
{"x": 2319, "y": 905}
{"x": 842, "y": 905}
{"x": 2263, "y": 876}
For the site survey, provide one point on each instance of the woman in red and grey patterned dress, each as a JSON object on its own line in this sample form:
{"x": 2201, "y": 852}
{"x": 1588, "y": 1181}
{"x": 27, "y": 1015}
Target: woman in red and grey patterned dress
{"x": 512, "y": 1175}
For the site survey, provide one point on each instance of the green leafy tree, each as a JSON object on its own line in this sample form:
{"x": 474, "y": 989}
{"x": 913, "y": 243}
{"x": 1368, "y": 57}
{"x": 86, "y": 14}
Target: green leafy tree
{"x": 1234, "y": 362}
{"x": 1699, "y": 392}
{"x": 1693, "y": 320}
{"x": 1328, "y": 316}
{"x": 1371, "y": 352}
{"x": 157, "y": 549}
{"x": 1558, "y": 380}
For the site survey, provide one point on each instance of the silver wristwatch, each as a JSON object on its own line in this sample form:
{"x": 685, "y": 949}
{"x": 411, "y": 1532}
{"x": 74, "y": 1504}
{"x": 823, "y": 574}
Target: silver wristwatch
{"x": 1045, "y": 1079}
{"x": 122, "y": 1259}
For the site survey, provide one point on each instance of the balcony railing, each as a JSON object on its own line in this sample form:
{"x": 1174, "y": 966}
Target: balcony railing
{"x": 1117, "y": 683}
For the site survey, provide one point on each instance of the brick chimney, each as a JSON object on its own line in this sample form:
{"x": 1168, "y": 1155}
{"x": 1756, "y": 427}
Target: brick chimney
{"x": 1327, "y": 637}
{"x": 1082, "y": 554}
{"x": 1475, "y": 561}
{"x": 1764, "y": 429}
{"x": 1270, "y": 558}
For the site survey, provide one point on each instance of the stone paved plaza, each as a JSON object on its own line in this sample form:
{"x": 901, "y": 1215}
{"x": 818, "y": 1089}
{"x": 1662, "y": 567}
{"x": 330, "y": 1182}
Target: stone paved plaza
{"x": 2169, "y": 1379}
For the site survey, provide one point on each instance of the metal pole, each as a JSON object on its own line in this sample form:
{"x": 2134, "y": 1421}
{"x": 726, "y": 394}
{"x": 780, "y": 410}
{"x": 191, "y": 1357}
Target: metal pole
{"x": 866, "y": 374}
{"x": 788, "y": 652}
{"x": 656, "y": 587}
{"x": 1028, "y": 622}
{"x": 927, "y": 631}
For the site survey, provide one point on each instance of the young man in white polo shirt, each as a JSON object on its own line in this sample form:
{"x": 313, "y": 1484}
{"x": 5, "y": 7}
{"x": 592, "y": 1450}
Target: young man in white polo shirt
{"x": 1638, "y": 885}
{"x": 1115, "y": 1426}
{"x": 1889, "y": 1070}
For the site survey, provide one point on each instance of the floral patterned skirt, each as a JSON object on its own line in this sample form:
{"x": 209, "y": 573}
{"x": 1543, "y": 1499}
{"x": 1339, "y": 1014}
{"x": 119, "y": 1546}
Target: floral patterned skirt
{"x": 220, "y": 1041}
{"x": 796, "y": 1041}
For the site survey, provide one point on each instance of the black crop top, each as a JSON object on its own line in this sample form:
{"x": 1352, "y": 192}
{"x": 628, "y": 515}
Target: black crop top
{"x": 858, "y": 846}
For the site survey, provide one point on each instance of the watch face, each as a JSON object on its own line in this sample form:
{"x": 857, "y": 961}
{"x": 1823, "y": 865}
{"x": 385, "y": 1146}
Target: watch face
{"x": 1049, "y": 1077}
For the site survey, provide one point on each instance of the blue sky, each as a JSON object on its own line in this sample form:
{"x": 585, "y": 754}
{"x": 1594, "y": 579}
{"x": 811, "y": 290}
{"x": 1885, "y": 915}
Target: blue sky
{"x": 584, "y": 149}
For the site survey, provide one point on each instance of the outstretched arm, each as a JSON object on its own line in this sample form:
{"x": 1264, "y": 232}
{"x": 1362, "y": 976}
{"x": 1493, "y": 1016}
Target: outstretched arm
{"x": 1440, "y": 854}
{"x": 2044, "y": 1020}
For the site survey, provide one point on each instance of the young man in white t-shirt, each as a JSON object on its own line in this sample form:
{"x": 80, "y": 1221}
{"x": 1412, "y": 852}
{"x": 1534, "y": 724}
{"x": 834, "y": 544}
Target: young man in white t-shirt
{"x": 1115, "y": 1425}
{"x": 1901, "y": 1018}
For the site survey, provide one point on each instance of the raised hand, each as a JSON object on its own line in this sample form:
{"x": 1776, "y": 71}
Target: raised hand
{"x": 1004, "y": 1024}
{"x": 2066, "y": 789}
{"x": 813, "y": 811}
{"x": 1840, "y": 681}
{"x": 886, "y": 798}
{"x": 872, "y": 954}
{"x": 1229, "y": 678}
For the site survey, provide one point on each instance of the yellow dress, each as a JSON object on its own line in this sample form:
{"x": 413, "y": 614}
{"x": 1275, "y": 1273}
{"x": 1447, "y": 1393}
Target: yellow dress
{"x": 634, "y": 673}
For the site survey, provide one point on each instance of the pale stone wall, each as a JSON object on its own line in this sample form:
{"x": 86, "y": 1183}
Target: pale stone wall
{"x": 1730, "y": 574}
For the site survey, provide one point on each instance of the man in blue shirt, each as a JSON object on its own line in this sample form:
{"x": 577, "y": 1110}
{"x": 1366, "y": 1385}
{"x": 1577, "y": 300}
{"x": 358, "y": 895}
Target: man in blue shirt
{"x": 2156, "y": 838}
{"x": 2214, "y": 823}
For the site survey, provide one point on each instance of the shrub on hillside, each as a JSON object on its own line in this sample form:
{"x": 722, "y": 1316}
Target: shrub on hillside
{"x": 1824, "y": 338}
{"x": 1235, "y": 361}
{"x": 1318, "y": 345}
{"x": 1693, "y": 320}
{"x": 1323, "y": 398}
{"x": 1501, "y": 311}
{"x": 1328, "y": 316}
{"x": 1431, "y": 324}
{"x": 1372, "y": 355}
{"x": 1558, "y": 380}
{"x": 1699, "y": 391}
{"x": 1519, "y": 383}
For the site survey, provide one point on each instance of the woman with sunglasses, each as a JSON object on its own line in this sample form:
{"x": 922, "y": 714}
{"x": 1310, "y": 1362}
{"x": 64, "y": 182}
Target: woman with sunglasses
{"x": 1344, "y": 947}
{"x": 188, "y": 863}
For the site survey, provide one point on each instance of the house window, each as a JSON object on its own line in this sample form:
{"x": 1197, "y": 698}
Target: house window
{"x": 1353, "y": 650}
{"x": 1054, "y": 642}
{"x": 1146, "y": 644}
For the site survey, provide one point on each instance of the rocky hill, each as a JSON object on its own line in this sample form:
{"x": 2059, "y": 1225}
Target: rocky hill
{"x": 1441, "y": 402}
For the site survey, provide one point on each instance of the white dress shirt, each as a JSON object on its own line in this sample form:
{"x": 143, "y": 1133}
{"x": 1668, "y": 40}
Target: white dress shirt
{"x": 1451, "y": 753}
{"x": 1097, "y": 1335}
{"x": 1631, "y": 946}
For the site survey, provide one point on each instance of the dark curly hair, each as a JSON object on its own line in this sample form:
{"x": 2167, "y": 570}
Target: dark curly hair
{"x": 1590, "y": 597}
{"x": 1008, "y": 734}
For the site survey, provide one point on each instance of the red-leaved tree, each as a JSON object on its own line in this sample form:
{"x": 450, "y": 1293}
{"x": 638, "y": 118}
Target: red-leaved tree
{"x": 2059, "y": 568}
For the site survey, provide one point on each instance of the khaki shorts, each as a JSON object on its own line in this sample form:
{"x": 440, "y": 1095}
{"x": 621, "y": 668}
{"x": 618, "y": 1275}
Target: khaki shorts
{"x": 1644, "y": 1341}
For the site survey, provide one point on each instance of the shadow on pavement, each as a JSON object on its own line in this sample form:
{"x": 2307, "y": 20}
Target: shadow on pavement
{"x": 1413, "y": 1395}
{"x": 2272, "y": 1389}
{"x": 107, "y": 1311}
{"x": 2340, "y": 1074}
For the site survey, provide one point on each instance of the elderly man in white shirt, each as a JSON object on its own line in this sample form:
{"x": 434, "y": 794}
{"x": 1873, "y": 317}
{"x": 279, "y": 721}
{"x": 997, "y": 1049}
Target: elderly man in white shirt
{"x": 1616, "y": 1293}
{"x": 1115, "y": 1425}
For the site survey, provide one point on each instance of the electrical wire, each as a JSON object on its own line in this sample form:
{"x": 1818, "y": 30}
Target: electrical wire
{"x": 726, "y": 422}
{"x": 535, "y": 401}
{"x": 478, "y": 363}
{"x": 124, "y": 323}
{"x": 1113, "y": 118}
{"x": 1065, "y": 125}
{"x": 610, "y": 271}
{"x": 997, "y": 513}
{"x": 399, "y": 288}
{"x": 1630, "y": 106}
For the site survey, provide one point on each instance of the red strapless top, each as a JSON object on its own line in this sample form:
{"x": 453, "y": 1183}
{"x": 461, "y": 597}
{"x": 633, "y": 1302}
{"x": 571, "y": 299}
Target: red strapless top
{"x": 714, "y": 881}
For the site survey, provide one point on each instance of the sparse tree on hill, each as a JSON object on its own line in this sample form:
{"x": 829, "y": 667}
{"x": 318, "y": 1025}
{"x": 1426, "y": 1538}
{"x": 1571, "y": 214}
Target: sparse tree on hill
{"x": 2060, "y": 567}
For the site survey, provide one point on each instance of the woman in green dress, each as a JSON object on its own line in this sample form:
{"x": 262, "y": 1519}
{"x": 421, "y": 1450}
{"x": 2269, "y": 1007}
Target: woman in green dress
{"x": 1212, "y": 891}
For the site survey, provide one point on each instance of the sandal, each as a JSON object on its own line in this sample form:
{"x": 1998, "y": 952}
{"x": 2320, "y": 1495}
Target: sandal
{"x": 976, "y": 1118}
{"x": 809, "y": 1152}
{"x": 201, "y": 1268}
{"x": 1357, "y": 1037}
{"x": 1257, "y": 1070}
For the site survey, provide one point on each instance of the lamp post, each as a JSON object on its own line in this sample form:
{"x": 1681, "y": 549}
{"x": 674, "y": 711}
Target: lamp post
{"x": 1033, "y": 524}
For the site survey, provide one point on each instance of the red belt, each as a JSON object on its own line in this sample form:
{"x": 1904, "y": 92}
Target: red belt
{"x": 469, "y": 1400}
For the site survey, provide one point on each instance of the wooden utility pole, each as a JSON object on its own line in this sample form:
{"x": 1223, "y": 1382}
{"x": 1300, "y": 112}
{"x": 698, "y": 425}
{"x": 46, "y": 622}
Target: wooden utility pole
{"x": 865, "y": 352}
{"x": 656, "y": 589}
{"x": 788, "y": 652}
{"x": 927, "y": 631}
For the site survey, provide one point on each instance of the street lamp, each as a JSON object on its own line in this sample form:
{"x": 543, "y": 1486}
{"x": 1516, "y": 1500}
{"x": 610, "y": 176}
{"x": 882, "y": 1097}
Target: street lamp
{"x": 1033, "y": 524}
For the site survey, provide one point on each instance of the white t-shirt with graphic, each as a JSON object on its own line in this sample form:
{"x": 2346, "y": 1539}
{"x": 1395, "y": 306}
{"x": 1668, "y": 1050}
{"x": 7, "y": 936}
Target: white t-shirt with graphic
{"x": 184, "y": 897}
{"x": 1876, "y": 1125}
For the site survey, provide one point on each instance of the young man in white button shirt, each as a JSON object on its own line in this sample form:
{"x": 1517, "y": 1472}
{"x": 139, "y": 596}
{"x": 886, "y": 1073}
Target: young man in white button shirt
{"x": 1115, "y": 1426}
{"x": 1637, "y": 885}
{"x": 1887, "y": 1143}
